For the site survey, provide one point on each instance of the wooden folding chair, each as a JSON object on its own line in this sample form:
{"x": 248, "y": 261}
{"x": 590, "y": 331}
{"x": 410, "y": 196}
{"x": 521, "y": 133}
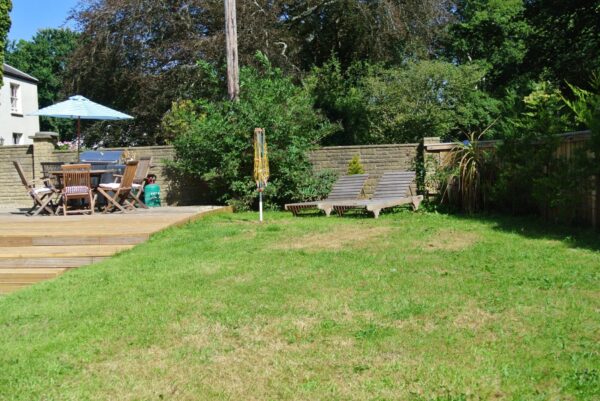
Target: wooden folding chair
{"x": 139, "y": 181}
{"x": 120, "y": 190}
{"x": 42, "y": 197}
{"x": 77, "y": 185}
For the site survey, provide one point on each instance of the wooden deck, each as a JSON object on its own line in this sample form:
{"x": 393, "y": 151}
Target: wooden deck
{"x": 33, "y": 249}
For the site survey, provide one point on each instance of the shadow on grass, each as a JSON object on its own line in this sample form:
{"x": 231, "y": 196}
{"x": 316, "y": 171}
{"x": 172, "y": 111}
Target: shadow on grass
{"x": 535, "y": 228}
{"x": 334, "y": 215}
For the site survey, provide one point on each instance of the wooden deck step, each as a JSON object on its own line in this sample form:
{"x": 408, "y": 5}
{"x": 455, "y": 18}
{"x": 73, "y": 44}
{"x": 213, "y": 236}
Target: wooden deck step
{"x": 15, "y": 279}
{"x": 61, "y": 240}
{"x": 56, "y": 256}
{"x": 6, "y": 288}
{"x": 48, "y": 263}
{"x": 28, "y": 275}
{"x": 63, "y": 251}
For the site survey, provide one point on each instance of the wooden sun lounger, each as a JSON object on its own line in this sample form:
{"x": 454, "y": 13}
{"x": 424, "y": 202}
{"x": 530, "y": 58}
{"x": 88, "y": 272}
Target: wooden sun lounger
{"x": 393, "y": 189}
{"x": 348, "y": 187}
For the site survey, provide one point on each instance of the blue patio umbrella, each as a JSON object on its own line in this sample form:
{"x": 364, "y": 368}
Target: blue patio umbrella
{"x": 79, "y": 107}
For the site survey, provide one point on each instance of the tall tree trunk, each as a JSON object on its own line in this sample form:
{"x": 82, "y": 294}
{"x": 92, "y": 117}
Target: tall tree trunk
{"x": 233, "y": 69}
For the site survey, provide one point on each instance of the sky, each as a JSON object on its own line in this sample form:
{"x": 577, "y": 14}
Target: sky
{"x": 28, "y": 16}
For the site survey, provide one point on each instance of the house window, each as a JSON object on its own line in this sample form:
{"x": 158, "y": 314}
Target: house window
{"x": 15, "y": 99}
{"x": 17, "y": 138}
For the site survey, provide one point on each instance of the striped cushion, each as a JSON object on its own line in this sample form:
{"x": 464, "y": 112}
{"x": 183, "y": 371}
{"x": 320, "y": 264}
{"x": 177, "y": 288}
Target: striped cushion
{"x": 39, "y": 191}
{"x": 112, "y": 186}
{"x": 82, "y": 189}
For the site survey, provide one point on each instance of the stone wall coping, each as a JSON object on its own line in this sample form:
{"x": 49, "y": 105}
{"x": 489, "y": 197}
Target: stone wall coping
{"x": 571, "y": 136}
{"x": 134, "y": 148}
{"x": 44, "y": 135}
{"x": 15, "y": 147}
{"x": 402, "y": 145}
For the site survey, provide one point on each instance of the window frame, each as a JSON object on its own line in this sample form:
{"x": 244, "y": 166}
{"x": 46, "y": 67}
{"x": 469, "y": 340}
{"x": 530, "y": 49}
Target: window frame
{"x": 17, "y": 138}
{"x": 15, "y": 99}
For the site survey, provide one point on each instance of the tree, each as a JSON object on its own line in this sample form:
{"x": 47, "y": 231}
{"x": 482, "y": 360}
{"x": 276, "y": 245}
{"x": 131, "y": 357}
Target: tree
{"x": 140, "y": 55}
{"x": 565, "y": 40}
{"x": 46, "y": 57}
{"x": 427, "y": 98}
{"x": 5, "y": 8}
{"x": 493, "y": 33}
{"x": 391, "y": 31}
{"x": 376, "y": 104}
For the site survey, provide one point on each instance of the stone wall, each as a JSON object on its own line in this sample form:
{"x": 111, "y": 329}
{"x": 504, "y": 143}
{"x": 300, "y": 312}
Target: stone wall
{"x": 175, "y": 189}
{"x": 179, "y": 190}
{"x": 12, "y": 192}
{"x": 376, "y": 159}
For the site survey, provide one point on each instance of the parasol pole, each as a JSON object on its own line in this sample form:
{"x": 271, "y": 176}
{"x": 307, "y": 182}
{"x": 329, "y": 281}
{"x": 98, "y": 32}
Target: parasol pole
{"x": 78, "y": 135}
{"x": 260, "y": 208}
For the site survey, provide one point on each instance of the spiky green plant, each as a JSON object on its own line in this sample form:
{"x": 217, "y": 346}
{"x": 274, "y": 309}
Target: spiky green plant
{"x": 468, "y": 171}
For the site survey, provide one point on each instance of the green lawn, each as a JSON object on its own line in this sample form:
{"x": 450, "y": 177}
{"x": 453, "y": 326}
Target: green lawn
{"x": 408, "y": 307}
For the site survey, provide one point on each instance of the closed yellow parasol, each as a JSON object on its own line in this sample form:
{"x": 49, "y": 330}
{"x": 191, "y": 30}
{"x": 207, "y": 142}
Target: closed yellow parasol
{"x": 261, "y": 165}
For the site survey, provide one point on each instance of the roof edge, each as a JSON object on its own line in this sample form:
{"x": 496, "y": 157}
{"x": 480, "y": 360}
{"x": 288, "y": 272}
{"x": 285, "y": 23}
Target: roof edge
{"x": 13, "y": 72}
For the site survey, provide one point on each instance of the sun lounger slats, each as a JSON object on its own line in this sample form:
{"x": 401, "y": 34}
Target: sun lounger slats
{"x": 393, "y": 189}
{"x": 348, "y": 187}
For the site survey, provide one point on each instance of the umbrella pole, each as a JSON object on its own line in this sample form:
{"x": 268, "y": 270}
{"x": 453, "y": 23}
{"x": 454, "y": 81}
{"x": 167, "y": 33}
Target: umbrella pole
{"x": 260, "y": 208}
{"x": 78, "y": 136}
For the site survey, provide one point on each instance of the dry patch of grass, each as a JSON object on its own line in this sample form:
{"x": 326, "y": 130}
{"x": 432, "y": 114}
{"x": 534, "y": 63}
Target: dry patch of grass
{"x": 472, "y": 318}
{"x": 339, "y": 237}
{"x": 449, "y": 240}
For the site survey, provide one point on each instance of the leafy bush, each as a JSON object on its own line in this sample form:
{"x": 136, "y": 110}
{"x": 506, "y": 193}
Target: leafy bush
{"x": 355, "y": 166}
{"x": 213, "y": 140}
{"x": 427, "y": 98}
{"x": 586, "y": 107}
{"x": 377, "y": 104}
{"x": 316, "y": 186}
{"x": 531, "y": 178}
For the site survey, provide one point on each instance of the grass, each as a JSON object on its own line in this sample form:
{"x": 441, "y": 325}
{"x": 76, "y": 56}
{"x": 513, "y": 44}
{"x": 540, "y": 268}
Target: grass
{"x": 408, "y": 307}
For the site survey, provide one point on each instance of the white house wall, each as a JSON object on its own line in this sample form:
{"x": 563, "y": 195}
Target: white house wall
{"x": 9, "y": 123}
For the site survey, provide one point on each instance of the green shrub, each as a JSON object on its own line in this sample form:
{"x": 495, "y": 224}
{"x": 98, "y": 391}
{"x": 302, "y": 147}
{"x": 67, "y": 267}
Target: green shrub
{"x": 426, "y": 98}
{"x": 355, "y": 166}
{"x": 586, "y": 107}
{"x": 400, "y": 104}
{"x": 213, "y": 139}
{"x": 530, "y": 178}
{"x": 316, "y": 186}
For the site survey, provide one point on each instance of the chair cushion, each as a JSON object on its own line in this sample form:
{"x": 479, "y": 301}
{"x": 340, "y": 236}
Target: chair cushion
{"x": 82, "y": 189}
{"x": 136, "y": 186}
{"x": 113, "y": 186}
{"x": 40, "y": 191}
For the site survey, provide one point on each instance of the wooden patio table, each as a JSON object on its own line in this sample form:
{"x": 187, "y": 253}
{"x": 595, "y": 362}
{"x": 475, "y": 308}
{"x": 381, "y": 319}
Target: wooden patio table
{"x": 93, "y": 173}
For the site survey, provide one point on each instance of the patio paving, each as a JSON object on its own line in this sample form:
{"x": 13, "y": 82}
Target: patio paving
{"x": 39, "y": 248}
